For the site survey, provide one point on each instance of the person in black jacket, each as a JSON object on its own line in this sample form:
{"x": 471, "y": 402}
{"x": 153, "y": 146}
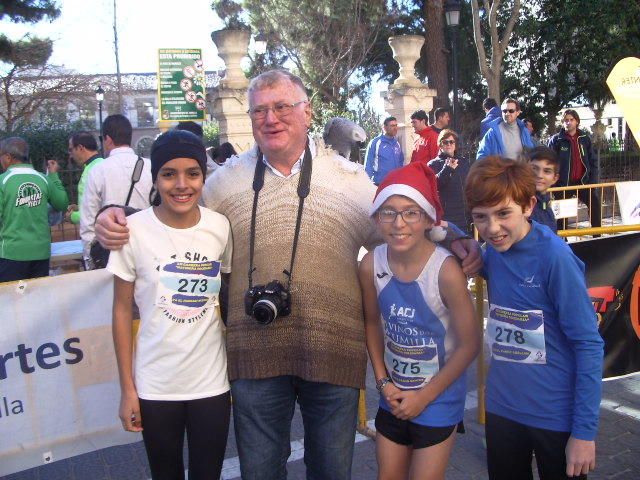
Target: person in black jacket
{"x": 451, "y": 171}
{"x": 578, "y": 162}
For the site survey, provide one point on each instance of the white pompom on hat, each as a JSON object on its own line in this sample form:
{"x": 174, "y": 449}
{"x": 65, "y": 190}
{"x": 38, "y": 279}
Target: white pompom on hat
{"x": 417, "y": 182}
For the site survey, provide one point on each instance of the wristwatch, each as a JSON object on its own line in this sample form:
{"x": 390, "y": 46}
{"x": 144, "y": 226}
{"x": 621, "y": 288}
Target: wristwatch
{"x": 380, "y": 384}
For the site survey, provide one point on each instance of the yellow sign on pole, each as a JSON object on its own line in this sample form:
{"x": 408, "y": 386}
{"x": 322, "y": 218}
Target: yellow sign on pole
{"x": 624, "y": 83}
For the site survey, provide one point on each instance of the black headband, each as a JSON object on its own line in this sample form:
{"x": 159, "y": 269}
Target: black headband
{"x": 177, "y": 144}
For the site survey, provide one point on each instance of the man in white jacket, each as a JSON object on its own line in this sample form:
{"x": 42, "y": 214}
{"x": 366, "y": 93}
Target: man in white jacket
{"x": 110, "y": 181}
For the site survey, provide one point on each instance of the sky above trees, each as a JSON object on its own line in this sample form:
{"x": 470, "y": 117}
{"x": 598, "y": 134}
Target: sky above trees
{"x": 83, "y": 34}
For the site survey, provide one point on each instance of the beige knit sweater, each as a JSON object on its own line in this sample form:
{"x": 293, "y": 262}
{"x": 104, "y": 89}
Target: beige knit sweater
{"x": 323, "y": 338}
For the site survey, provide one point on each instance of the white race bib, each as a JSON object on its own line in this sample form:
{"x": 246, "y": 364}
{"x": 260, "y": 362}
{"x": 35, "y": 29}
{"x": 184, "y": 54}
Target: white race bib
{"x": 516, "y": 335}
{"x": 186, "y": 289}
{"x": 411, "y": 366}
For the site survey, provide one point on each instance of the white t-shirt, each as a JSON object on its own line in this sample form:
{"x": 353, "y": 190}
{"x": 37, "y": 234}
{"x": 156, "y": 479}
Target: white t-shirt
{"x": 180, "y": 352}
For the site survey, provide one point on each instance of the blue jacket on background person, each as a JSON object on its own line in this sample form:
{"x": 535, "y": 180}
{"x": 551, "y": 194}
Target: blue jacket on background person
{"x": 492, "y": 115}
{"x": 383, "y": 155}
{"x": 492, "y": 143}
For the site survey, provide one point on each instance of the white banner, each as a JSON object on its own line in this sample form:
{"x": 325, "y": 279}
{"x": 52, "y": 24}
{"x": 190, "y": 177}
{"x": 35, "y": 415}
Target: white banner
{"x": 59, "y": 391}
{"x": 629, "y": 198}
{"x": 565, "y": 208}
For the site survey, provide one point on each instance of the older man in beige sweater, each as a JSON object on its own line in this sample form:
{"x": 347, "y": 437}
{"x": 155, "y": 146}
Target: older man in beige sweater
{"x": 315, "y": 355}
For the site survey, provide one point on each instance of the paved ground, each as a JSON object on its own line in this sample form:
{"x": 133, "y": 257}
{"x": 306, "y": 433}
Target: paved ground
{"x": 618, "y": 446}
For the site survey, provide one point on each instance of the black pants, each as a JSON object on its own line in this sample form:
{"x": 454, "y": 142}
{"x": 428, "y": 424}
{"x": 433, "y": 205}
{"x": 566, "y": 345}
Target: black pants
{"x": 14, "y": 270}
{"x": 592, "y": 196}
{"x": 510, "y": 446}
{"x": 206, "y": 421}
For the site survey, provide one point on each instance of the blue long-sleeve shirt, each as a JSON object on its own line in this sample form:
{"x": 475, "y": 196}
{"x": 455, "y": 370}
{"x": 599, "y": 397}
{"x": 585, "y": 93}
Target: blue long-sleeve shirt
{"x": 537, "y": 288}
{"x": 383, "y": 155}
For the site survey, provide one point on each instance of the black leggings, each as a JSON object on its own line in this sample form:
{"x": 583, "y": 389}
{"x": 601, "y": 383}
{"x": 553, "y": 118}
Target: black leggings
{"x": 206, "y": 421}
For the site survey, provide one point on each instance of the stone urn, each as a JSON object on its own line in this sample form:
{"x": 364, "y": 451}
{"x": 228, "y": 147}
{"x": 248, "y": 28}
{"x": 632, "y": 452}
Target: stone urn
{"x": 406, "y": 51}
{"x": 232, "y": 46}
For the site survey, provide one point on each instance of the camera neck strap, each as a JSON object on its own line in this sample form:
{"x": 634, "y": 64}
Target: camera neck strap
{"x": 304, "y": 187}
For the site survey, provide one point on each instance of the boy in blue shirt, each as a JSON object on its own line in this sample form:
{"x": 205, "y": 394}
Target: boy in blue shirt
{"x": 544, "y": 385}
{"x": 546, "y": 166}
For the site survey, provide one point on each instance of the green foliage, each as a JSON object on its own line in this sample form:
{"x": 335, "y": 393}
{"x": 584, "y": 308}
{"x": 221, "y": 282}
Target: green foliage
{"x": 230, "y": 13}
{"x": 28, "y": 11}
{"x": 367, "y": 118}
{"x": 327, "y": 40}
{"x": 47, "y": 140}
{"x": 25, "y": 11}
{"x": 211, "y": 134}
{"x": 561, "y": 56}
{"x": 27, "y": 52}
{"x": 406, "y": 18}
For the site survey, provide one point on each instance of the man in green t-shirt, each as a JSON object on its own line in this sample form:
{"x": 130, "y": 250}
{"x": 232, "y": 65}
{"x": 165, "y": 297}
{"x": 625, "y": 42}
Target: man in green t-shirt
{"x": 83, "y": 150}
{"x": 25, "y": 237}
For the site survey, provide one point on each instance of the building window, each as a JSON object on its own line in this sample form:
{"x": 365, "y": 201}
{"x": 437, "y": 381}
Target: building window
{"x": 144, "y": 110}
{"x": 143, "y": 147}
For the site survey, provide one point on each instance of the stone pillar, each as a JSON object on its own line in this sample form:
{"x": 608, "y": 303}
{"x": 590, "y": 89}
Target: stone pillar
{"x": 229, "y": 103}
{"x": 407, "y": 94}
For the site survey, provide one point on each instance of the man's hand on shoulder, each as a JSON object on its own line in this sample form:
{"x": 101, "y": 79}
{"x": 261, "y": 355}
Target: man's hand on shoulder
{"x": 111, "y": 228}
{"x": 581, "y": 456}
{"x": 468, "y": 250}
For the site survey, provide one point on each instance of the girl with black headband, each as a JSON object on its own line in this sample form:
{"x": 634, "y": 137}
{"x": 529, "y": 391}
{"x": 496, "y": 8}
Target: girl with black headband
{"x": 172, "y": 266}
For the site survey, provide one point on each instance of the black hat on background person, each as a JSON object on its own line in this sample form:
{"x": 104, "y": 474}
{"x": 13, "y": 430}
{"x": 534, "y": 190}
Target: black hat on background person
{"x": 222, "y": 153}
{"x": 192, "y": 127}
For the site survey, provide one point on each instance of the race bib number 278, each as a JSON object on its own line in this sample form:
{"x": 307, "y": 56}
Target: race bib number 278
{"x": 516, "y": 335}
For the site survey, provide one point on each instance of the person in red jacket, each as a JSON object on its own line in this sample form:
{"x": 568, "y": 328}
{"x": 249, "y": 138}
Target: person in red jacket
{"x": 426, "y": 146}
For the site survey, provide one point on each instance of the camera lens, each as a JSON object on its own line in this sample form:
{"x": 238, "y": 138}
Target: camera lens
{"x": 264, "y": 311}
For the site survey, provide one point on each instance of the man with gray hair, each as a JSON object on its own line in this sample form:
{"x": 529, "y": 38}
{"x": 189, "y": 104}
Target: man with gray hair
{"x": 25, "y": 237}
{"x": 295, "y": 331}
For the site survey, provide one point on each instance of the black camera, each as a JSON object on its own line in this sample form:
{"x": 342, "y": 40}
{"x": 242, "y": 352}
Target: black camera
{"x": 266, "y": 302}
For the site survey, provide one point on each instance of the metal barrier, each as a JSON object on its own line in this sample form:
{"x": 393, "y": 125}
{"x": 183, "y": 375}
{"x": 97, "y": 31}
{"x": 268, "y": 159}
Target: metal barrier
{"x": 602, "y": 193}
{"x": 362, "y": 427}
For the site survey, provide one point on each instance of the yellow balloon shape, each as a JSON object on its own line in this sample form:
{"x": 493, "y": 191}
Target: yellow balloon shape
{"x": 624, "y": 83}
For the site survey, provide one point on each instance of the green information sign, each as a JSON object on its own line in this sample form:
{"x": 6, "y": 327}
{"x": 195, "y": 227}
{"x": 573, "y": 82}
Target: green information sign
{"x": 181, "y": 84}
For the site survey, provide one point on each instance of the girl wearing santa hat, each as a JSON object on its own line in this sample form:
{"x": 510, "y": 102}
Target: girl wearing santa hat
{"x": 420, "y": 327}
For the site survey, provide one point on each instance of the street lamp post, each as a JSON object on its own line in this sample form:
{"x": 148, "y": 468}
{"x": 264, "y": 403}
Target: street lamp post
{"x": 260, "y": 47}
{"x": 100, "y": 99}
{"x": 452, "y": 14}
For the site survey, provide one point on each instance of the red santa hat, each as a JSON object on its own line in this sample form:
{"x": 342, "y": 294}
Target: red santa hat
{"x": 417, "y": 182}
